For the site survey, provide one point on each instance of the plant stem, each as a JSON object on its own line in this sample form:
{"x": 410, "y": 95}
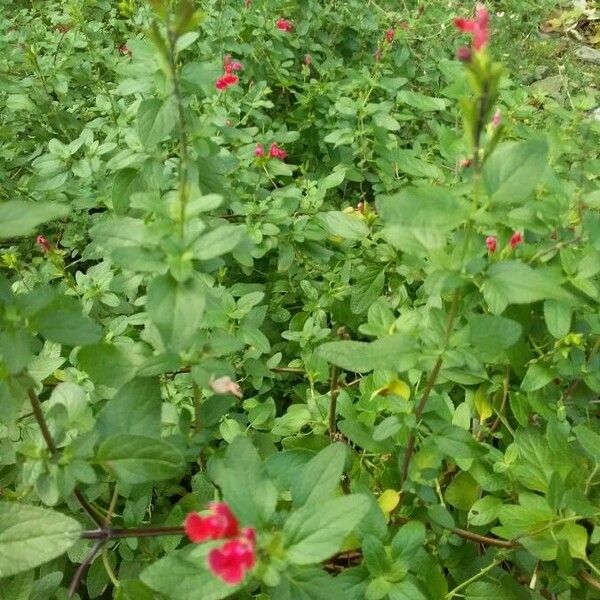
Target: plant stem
{"x": 183, "y": 141}
{"x": 110, "y": 534}
{"x": 38, "y": 413}
{"x": 83, "y": 567}
{"x": 464, "y": 584}
{"x": 591, "y": 581}
{"x": 333, "y": 396}
{"x": 429, "y": 385}
{"x": 484, "y": 539}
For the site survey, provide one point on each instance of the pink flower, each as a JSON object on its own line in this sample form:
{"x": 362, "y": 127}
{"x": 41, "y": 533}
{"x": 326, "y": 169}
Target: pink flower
{"x": 276, "y": 151}
{"x": 230, "y": 65}
{"x": 123, "y": 49}
{"x": 515, "y": 239}
{"x": 478, "y": 27}
{"x": 259, "y": 151}
{"x": 465, "y": 163}
{"x": 284, "y": 25}
{"x": 220, "y": 523}
{"x": 226, "y": 81}
{"x": 497, "y": 118}
{"x": 43, "y": 243}
{"x": 491, "y": 243}
{"x": 234, "y": 558}
{"x": 225, "y": 385}
{"x": 464, "y": 54}
{"x": 389, "y": 35}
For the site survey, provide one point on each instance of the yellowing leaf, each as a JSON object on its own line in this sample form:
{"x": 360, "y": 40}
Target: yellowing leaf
{"x": 388, "y": 500}
{"x": 483, "y": 405}
{"x": 396, "y": 387}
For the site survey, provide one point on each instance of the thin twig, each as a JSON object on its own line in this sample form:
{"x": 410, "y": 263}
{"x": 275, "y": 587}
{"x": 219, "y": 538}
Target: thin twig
{"x": 109, "y": 534}
{"x": 505, "y": 383}
{"x": 484, "y": 539}
{"x": 83, "y": 567}
{"x": 429, "y": 386}
{"x": 38, "y": 413}
{"x": 589, "y": 579}
{"x": 333, "y": 396}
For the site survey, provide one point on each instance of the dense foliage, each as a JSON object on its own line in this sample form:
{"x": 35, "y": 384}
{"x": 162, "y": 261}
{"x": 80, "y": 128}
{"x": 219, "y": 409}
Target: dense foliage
{"x": 295, "y": 283}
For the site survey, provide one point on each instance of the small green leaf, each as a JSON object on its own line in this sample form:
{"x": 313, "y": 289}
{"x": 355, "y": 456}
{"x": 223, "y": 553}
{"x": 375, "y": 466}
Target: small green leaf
{"x": 156, "y": 118}
{"x": 19, "y": 218}
{"x": 558, "y": 318}
{"x": 31, "y": 536}
{"x": 346, "y": 225}
{"x": 311, "y": 536}
{"x": 395, "y": 352}
{"x": 484, "y": 511}
{"x": 139, "y": 459}
{"x": 320, "y": 476}
{"x": 589, "y": 440}
{"x": 176, "y": 308}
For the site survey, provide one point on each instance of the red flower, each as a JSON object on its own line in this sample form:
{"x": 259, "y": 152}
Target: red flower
{"x": 515, "y": 239}
{"x": 259, "y": 151}
{"x": 491, "y": 243}
{"x": 43, "y": 243}
{"x": 464, "y": 54}
{"x": 234, "y": 558}
{"x": 478, "y": 27}
{"x": 226, "y": 81}
{"x": 389, "y": 35}
{"x": 124, "y": 49}
{"x": 284, "y": 25}
{"x": 219, "y": 524}
{"x": 276, "y": 151}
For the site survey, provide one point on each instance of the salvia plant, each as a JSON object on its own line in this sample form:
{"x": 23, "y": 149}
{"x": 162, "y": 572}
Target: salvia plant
{"x": 292, "y": 306}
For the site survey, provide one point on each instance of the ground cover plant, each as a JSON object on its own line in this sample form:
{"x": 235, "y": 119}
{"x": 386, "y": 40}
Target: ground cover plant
{"x": 299, "y": 300}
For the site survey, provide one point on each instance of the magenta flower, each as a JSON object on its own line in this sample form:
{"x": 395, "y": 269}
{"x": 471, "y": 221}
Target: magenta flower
{"x": 477, "y": 27}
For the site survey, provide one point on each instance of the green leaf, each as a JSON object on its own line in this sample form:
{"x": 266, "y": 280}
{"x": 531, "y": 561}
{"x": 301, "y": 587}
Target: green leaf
{"x": 183, "y": 575}
{"x": 557, "y": 317}
{"x": 537, "y": 377}
{"x": 348, "y": 226}
{"x": 492, "y": 334}
{"x": 311, "y": 536}
{"x": 31, "y": 536}
{"x": 111, "y": 364}
{"x": 156, "y": 118}
{"x": 134, "y": 409}
{"x": 63, "y": 322}
{"x": 406, "y": 590}
{"x": 176, "y": 308}
{"x": 589, "y": 441}
{"x": 217, "y": 242}
{"x": 420, "y": 101}
{"x": 513, "y": 282}
{"x": 308, "y": 583}
{"x": 245, "y": 486}
{"x": 408, "y": 162}
{"x": 408, "y": 540}
{"x": 125, "y": 183}
{"x": 462, "y": 491}
{"x": 366, "y": 290}
{"x": 395, "y": 352}
{"x": 514, "y": 169}
{"x": 19, "y": 218}
{"x": 139, "y": 459}
{"x": 320, "y": 476}
{"x": 484, "y": 511}
{"x": 418, "y": 219}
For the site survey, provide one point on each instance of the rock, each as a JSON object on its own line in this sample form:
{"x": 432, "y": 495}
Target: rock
{"x": 588, "y": 54}
{"x": 549, "y": 86}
